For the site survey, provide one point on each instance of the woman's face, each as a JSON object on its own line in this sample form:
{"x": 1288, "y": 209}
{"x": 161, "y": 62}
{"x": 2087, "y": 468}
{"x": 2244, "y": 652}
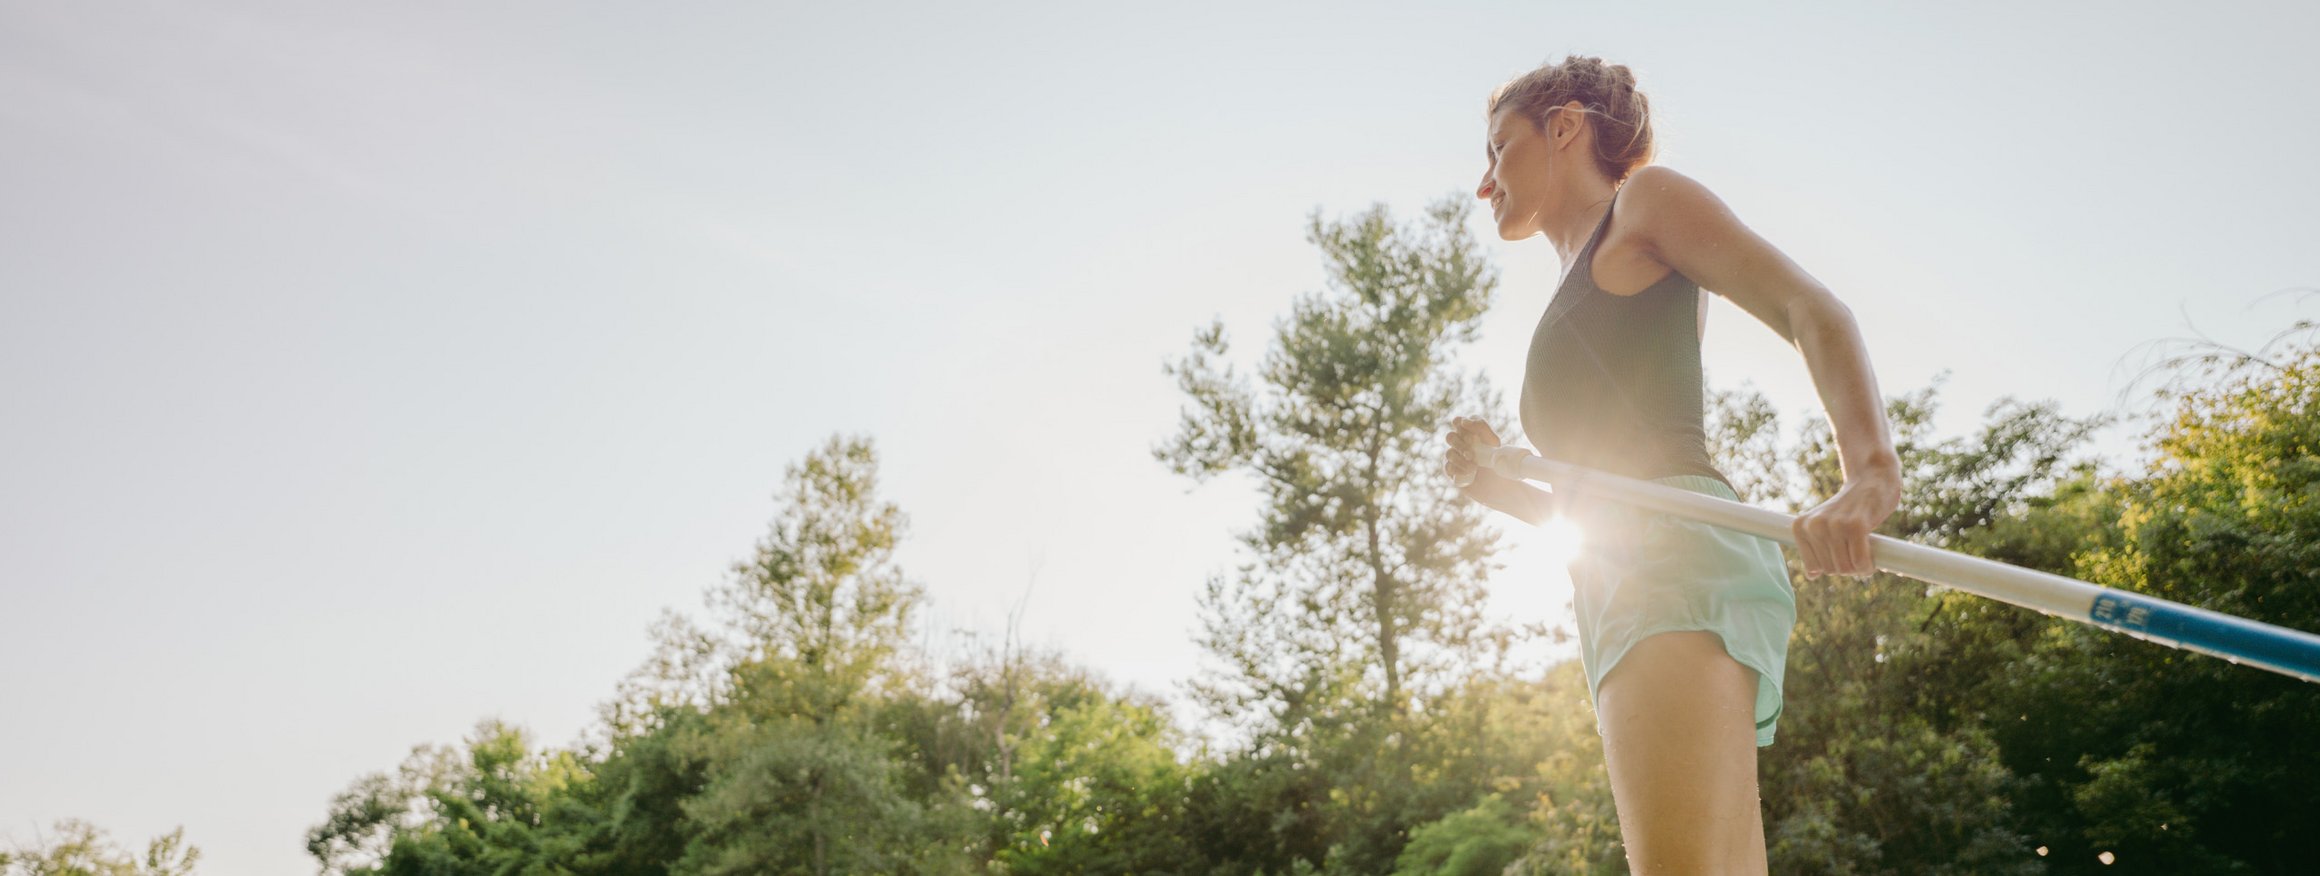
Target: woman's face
{"x": 1515, "y": 180}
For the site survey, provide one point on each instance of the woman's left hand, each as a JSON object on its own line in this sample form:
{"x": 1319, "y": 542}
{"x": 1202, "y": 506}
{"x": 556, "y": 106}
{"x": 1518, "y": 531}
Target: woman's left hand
{"x": 1833, "y": 537}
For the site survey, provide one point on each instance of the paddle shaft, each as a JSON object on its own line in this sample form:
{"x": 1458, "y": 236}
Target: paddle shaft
{"x": 2279, "y": 649}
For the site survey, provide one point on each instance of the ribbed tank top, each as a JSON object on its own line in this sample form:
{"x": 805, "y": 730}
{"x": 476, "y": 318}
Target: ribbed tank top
{"x": 1613, "y": 381}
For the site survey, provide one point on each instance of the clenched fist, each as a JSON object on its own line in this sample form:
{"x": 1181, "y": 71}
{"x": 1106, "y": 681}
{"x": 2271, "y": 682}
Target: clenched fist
{"x": 1467, "y": 435}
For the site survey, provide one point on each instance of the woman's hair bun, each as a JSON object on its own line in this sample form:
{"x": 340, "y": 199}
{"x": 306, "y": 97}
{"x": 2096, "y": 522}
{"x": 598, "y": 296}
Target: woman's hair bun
{"x": 1606, "y": 92}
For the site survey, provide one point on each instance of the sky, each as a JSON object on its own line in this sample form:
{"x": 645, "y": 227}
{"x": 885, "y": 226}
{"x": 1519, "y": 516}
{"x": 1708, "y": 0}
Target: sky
{"x": 370, "y": 370}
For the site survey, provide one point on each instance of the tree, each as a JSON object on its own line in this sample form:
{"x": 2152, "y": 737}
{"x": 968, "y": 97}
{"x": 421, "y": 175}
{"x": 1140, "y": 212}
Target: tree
{"x": 798, "y": 779}
{"x": 789, "y": 796}
{"x": 1363, "y": 596}
{"x": 1480, "y": 841}
{"x": 643, "y": 783}
{"x": 82, "y": 849}
{"x": 1097, "y": 789}
{"x": 2167, "y": 760}
{"x": 748, "y": 748}
{"x": 1873, "y": 773}
{"x": 819, "y": 612}
{"x": 1546, "y": 726}
{"x": 493, "y": 806}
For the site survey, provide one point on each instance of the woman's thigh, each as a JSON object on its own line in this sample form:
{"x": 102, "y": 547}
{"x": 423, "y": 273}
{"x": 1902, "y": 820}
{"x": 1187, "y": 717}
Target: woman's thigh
{"x": 1679, "y": 737}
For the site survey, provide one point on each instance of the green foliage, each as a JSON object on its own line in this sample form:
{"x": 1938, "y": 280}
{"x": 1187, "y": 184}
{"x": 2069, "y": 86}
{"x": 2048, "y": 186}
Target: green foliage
{"x": 643, "y": 783}
{"x": 2172, "y": 761}
{"x": 797, "y": 781}
{"x": 796, "y": 778}
{"x": 1479, "y": 841}
{"x": 1364, "y": 589}
{"x": 820, "y": 611}
{"x": 1535, "y": 741}
{"x": 1097, "y": 790}
{"x": 1905, "y": 798}
{"x": 1973, "y": 729}
{"x": 494, "y": 806}
{"x": 82, "y": 849}
{"x": 1871, "y": 775}
{"x": 1379, "y": 729}
{"x": 795, "y": 797}
{"x": 796, "y": 735}
{"x": 715, "y": 734}
{"x": 1067, "y": 775}
{"x": 1575, "y": 824}
{"x": 1363, "y": 595}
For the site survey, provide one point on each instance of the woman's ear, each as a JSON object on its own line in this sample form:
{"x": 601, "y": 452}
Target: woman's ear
{"x": 1564, "y": 126}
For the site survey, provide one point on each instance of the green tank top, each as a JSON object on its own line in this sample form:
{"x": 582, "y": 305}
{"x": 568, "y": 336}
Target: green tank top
{"x": 1613, "y": 382}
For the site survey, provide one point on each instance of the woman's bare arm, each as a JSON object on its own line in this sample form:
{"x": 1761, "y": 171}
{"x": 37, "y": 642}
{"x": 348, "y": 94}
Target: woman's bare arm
{"x": 1517, "y": 498}
{"x": 1684, "y": 226}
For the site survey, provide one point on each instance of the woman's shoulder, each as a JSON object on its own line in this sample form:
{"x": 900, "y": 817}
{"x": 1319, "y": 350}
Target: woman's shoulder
{"x": 1666, "y": 210}
{"x": 1659, "y": 188}
{"x": 1655, "y": 203}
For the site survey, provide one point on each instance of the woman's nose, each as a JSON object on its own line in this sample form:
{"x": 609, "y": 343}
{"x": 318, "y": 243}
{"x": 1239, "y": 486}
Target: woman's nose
{"x": 1485, "y": 190}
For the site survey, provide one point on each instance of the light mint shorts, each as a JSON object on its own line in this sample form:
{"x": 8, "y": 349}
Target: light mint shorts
{"x": 1642, "y": 573}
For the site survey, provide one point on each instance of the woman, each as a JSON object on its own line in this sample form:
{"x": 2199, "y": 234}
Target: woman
{"x": 1683, "y": 628}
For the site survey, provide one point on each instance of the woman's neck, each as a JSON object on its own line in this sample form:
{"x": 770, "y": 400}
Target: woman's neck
{"x": 1569, "y": 232}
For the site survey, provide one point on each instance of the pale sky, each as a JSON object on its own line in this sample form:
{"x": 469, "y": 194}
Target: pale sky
{"x": 368, "y": 370}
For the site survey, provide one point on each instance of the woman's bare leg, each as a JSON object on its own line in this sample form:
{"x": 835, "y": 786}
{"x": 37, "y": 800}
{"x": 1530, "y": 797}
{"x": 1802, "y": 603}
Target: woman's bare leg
{"x": 1679, "y": 736}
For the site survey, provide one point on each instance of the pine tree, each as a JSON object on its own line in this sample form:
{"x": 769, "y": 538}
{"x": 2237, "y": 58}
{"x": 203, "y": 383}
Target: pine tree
{"x": 1363, "y": 598}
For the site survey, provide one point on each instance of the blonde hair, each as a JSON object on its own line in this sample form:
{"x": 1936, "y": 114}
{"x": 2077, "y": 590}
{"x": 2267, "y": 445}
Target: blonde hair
{"x": 1622, "y": 116}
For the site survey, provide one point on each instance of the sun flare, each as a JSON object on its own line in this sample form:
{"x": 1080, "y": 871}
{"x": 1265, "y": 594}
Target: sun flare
{"x": 1561, "y": 540}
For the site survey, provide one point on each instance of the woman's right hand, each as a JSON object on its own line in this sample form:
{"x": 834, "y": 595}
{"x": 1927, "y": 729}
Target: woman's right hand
{"x": 1466, "y": 436}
